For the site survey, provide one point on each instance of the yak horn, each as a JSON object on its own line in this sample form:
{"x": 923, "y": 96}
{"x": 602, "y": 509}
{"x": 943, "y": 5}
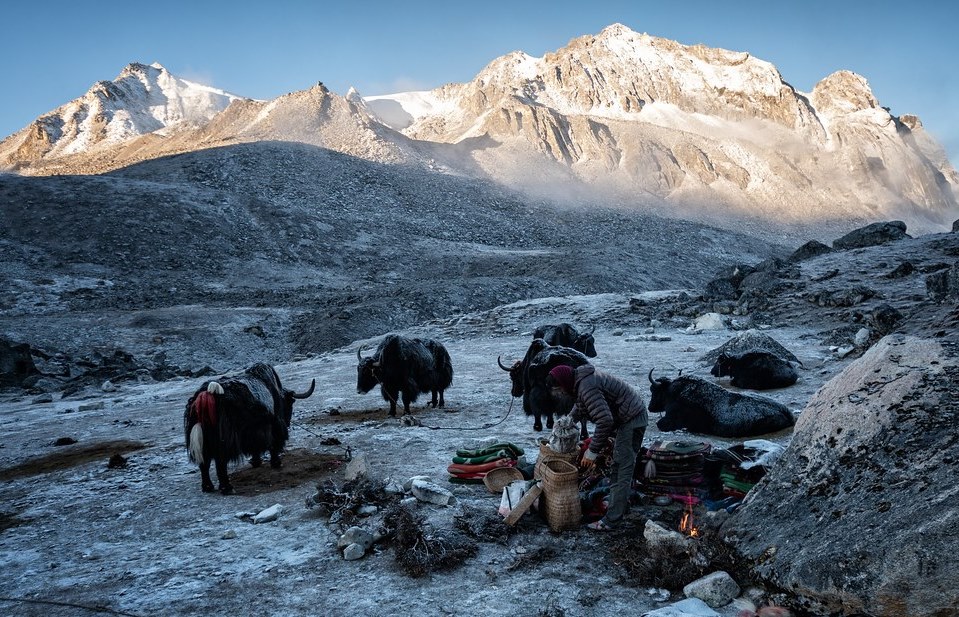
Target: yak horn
{"x": 498, "y": 361}
{"x": 651, "y": 375}
{"x": 358, "y": 349}
{"x": 592, "y": 328}
{"x": 307, "y": 393}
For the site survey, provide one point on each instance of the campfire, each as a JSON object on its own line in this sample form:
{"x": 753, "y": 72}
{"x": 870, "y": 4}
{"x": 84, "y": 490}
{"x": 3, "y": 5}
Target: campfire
{"x": 687, "y": 524}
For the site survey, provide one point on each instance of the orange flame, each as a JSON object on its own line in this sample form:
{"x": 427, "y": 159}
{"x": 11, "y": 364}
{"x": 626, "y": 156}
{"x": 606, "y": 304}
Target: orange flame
{"x": 686, "y": 524}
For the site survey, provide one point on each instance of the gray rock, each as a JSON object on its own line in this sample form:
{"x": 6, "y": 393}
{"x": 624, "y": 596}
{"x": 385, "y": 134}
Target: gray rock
{"x": 356, "y": 535}
{"x": 690, "y": 607}
{"x": 716, "y": 589}
{"x": 872, "y": 235}
{"x": 270, "y": 514}
{"x": 943, "y": 284}
{"x": 353, "y": 552}
{"x": 356, "y": 468}
{"x": 108, "y": 386}
{"x": 431, "y": 493}
{"x": 860, "y": 513}
{"x": 813, "y": 248}
{"x": 750, "y": 340}
{"x": 862, "y": 337}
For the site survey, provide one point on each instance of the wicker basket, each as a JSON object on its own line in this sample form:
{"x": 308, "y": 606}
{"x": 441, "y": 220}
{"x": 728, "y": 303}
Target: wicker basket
{"x": 547, "y": 454}
{"x": 498, "y": 479}
{"x": 560, "y": 500}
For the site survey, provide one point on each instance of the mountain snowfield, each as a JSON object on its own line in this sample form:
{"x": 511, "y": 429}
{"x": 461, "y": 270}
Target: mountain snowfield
{"x": 619, "y": 117}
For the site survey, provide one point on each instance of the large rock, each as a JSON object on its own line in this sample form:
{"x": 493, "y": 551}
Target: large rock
{"x": 16, "y": 363}
{"x": 861, "y": 512}
{"x": 813, "y": 248}
{"x": 872, "y": 235}
{"x": 750, "y": 340}
{"x": 943, "y": 284}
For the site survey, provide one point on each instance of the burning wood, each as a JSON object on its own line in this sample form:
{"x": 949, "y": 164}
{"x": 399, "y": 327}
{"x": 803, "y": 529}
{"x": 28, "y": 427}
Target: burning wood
{"x": 687, "y": 525}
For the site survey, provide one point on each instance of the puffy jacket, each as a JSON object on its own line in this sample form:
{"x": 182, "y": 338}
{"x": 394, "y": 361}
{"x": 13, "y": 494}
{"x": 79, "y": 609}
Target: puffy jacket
{"x": 606, "y": 401}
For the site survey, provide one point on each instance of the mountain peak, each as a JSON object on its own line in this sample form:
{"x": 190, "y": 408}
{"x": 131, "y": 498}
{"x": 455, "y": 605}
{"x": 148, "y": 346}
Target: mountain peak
{"x": 843, "y": 92}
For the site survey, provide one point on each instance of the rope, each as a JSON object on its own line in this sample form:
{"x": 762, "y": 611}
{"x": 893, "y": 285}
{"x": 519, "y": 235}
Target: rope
{"x": 473, "y": 428}
{"x": 450, "y": 428}
{"x": 95, "y": 609}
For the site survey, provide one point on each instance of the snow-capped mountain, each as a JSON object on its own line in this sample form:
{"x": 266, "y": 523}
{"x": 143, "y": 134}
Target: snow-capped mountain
{"x": 619, "y": 116}
{"x": 143, "y": 99}
{"x": 637, "y": 117}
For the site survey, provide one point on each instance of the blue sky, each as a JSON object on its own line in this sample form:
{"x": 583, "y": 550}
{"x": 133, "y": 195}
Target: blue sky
{"x": 52, "y": 51}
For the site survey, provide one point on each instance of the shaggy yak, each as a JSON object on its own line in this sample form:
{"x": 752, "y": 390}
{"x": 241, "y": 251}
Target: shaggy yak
{"x": 407, "y": 367}
{"x": 235, "y": 416}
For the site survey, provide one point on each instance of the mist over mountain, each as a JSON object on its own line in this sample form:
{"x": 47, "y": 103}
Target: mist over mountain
{"x": 620, "y": 118}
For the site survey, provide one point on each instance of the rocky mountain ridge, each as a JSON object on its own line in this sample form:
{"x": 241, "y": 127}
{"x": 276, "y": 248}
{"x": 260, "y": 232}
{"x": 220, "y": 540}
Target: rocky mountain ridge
{"x": 621, "y": 118}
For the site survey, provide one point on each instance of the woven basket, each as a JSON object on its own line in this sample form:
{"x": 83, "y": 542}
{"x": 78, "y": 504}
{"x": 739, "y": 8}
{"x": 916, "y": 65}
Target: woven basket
{"x": 498, "y": 479}
{"x": 560, "y": 500}
{"x": 547, "y": 454}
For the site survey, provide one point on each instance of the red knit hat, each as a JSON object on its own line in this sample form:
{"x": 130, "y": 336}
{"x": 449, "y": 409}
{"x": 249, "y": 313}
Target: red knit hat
{"x": 563, "y": 377}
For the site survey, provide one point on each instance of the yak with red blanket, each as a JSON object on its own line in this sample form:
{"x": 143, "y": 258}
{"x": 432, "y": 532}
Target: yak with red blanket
{"x": 239, "y": 416}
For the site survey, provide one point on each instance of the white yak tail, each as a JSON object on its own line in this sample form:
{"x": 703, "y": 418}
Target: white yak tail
{"x": 196, "y": 443}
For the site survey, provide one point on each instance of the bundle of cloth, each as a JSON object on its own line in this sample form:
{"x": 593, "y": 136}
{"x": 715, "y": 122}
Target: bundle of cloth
{"x": 471, "y": 466}
{"x": 732, "y": 472}
{"x": 674, "y": 469}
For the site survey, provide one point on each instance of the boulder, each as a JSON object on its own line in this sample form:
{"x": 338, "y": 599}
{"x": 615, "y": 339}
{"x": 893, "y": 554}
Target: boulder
{"x": 860, "y": 513}
{"x": 813, "y": 248}
{"x": 750, "y": 340}
{"x": 872, "y": 235}
{"x": 16, "y": 363}
{"x": 943, "y": 284}
{"x": 955, "y": 225}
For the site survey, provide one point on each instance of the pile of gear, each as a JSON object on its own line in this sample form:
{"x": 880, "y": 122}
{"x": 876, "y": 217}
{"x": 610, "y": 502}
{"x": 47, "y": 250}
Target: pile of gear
{"x": 732, "y": 472}
{"x": 674, "y": 469}
{"x": 471, "y": 466}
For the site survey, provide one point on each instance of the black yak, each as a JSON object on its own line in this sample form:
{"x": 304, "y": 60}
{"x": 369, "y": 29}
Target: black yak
{"x": 565, "y": 335}
{"x": 755, "y": 370}
{"x": 528, "y": 379}
{"x": 703, "y": 407}
{"x": 235, "y": 416}
{"x": 407, "y": 367}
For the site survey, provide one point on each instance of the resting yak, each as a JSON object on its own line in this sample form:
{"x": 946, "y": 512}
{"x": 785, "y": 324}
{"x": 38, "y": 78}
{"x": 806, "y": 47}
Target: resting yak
{"x": 528, "y": 377}
{"x": 406, "y": 366}
{"x": 565, "y": 335}
{"x": 706, "y": 408}
{"x": 755, "y": 370}
{"x": 235, "y": 416}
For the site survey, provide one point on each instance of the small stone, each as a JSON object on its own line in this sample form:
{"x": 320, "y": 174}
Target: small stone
{"x": 108, "y": 386}
{"x": 432, "y": 493}
{"x": 716, "y": 589}
{"x": 270, "y": 514}
{"x": 353, "y": 552}
{"x": 356, "y": 535}
{"x": 229, "y": 535}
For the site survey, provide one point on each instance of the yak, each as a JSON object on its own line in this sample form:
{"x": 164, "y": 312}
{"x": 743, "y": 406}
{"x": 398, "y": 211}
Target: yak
{"x": 442, "y": 371}
{"x": 755, "y": 370}
{"x": 407, "y": 367}
{"x": 703, "y": 407}
{"x": 565, "y": 335}
{"x": 528, "y": 377}
{"x": 235, "y": 416}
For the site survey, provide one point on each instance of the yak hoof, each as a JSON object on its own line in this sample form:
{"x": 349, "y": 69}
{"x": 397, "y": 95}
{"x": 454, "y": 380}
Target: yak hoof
{"x": 208, "y": 488}
{"x": 256, "y": 461}
{"x": 537, "y": 426}
{"x": 226, "y": 490}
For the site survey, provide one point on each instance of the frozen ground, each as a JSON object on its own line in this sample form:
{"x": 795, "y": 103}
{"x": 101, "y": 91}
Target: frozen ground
{"x": 145, "y": 540}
